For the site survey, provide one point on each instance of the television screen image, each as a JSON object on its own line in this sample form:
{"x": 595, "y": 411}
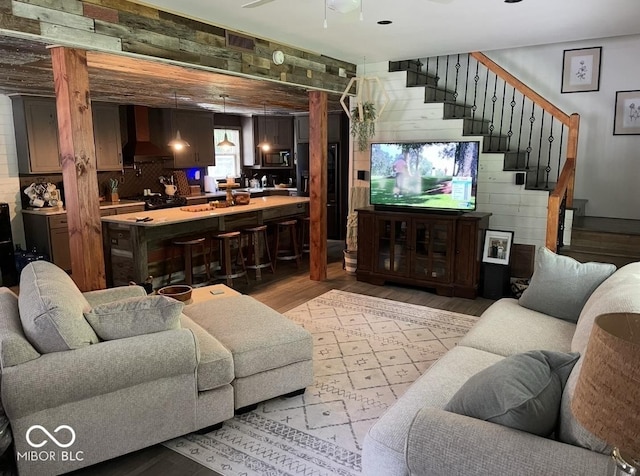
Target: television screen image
{"x": 431, "y": 175}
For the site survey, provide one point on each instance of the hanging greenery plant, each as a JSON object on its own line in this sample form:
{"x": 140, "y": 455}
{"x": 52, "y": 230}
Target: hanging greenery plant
{"x": 363, "y": 126}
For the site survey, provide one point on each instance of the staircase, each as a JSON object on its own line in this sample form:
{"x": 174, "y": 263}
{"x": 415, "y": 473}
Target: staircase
{"x": 607, "y": 240}
{"x": 536, "y": 138}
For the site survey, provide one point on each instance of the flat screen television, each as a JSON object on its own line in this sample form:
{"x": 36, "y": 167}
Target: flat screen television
{"x": 425, "y": 175}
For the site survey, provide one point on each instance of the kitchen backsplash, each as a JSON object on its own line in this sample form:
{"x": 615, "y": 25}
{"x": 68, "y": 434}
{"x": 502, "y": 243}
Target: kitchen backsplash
{"x": 131, "y": 184}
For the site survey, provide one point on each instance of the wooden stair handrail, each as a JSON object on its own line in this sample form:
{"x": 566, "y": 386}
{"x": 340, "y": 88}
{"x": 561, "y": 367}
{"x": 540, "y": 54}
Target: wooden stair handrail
{"x": 522, "y": 88}
{"x": 566, "y": 181}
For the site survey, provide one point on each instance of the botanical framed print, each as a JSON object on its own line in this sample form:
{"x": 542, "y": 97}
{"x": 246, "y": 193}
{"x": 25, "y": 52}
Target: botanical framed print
{"x": 581, "y": 70}
{"x": 497, "y": 247}
{"x": 627, "y": 114}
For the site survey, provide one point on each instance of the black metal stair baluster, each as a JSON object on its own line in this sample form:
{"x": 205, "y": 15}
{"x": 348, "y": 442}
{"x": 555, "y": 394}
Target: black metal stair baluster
{"x": 426, "y": 81}
{"x": 494, "y": 98}
{"x": 560, "y": 146}
{"x": 540, "y": 149}
{"x": 466, "y": 86}
{"x": 446, "y": 79}
{"x": 504, "y": 95}
{"x": 561, "y": 216}
{"x": 520, "y": 131}
{"x": 474, "y": 108}
{"x": 510, "y": 131}
{"x": 455, "y": 92}
{"x": 484, "y": 107}
{"x": 550, "y": 139}
{"x": 435, "y": 91}
{"x": 532, "y": 120}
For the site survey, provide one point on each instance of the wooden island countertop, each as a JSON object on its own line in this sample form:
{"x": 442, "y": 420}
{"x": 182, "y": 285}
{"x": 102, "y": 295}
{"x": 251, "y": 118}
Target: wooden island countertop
{"x": 135, "y": 249}
{"x": 168, "y": 216}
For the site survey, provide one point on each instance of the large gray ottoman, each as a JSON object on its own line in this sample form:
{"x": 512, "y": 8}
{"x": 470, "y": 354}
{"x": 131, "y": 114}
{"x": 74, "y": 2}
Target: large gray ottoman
{"x": 272, "y": 356}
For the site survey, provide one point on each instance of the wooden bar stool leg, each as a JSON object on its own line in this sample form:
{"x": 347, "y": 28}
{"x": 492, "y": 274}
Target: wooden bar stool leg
{"x": 188, "y": 272}
{"x": 228, "y": 266}
{"x": 241, "y": 257}
{"x": 255, "y": 251}
{"x": 277, "y": 246}
{"x": 265, "y": 239}
{"x": 294, "y": 243}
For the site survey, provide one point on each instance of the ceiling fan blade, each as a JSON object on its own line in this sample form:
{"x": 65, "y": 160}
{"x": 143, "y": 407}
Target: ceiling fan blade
{"x": 256, "y": 3}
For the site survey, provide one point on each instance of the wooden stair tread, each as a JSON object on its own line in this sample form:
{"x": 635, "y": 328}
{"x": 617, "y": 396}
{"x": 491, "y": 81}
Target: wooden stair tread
{"x": 599, "y": 251}
{"x": 607, "y": 225}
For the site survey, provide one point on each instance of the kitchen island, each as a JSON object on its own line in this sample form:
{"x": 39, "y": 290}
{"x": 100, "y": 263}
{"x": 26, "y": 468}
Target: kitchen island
{"x": 136, "y": 245}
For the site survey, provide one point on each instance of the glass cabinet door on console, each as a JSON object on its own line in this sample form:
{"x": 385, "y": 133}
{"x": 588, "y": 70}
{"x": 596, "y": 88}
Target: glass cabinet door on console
{"x": 392, "y": 247}
{"x": 432, "y": 251}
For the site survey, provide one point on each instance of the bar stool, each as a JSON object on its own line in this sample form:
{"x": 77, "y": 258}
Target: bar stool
{"x": 226, "y": 243}
{"x": 305, "y": 235}
{"x": 291, "y": 252}
{"x": 258, "y": 255}
{"x": 186, "y": 247}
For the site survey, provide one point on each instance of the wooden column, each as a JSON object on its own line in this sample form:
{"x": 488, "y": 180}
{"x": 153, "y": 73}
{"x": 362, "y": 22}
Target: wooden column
{"x": 318, "y": 184}
{"x": 78, "y": 158}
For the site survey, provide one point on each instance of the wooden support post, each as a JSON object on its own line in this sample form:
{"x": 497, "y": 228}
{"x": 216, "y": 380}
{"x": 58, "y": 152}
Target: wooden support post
{"x": 318, "y": 184}
{"x": 78, "y": 158}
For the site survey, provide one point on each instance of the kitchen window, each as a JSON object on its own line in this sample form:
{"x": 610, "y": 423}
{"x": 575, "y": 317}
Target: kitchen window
{"x": 228, "y": 159}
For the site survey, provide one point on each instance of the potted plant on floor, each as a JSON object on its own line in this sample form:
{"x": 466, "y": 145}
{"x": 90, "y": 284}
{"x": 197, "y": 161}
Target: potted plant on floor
{"x": 351, "y": 253}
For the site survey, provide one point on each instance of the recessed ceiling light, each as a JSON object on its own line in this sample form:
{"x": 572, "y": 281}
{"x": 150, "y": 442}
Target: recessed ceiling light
{"x": 385, "y": 22}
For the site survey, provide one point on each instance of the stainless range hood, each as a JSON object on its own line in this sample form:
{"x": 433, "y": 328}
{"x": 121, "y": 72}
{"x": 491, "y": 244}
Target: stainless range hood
{"x": 140, "y": 146}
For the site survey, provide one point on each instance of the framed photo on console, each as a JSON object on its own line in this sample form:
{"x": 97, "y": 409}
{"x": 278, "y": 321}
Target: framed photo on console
{"x": 627, "y": 114}
{"x": 581, "y": 70}
{"x": 497, "y": 247}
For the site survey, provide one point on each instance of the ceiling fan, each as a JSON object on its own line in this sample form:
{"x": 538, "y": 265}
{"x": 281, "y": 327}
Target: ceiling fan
{"x": 342, "y": 6}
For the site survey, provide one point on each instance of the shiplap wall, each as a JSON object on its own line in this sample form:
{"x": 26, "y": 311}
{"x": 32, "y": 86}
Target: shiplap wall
{"x": 9, "y": 183}
{"x": 407, "y": 118}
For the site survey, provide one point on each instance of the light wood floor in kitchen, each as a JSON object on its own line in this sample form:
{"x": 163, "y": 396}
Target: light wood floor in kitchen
{"x": 288, "y": 288}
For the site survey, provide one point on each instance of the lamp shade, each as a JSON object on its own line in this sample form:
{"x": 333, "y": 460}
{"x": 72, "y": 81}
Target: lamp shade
{"x": 607, "y": 396}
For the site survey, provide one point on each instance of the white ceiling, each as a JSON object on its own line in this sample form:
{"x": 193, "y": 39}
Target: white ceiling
{"x": 420, "y": 28}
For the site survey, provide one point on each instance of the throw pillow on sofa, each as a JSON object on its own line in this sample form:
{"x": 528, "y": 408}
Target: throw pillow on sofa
{"x": 560, "y": 285}
{"x": 523, "y": 391}
{"x": 51, "y": 309}
{"x": 135, "y": 316}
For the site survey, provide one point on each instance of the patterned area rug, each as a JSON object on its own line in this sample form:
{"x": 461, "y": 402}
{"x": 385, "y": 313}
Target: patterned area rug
{"x": 367, "y": 351}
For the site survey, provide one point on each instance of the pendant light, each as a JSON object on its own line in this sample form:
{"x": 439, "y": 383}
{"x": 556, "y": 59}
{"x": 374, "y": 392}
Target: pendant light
{"x": 264, "y": 145}
{"x": 226, "y": 143}
{"x": 178, "y": 143}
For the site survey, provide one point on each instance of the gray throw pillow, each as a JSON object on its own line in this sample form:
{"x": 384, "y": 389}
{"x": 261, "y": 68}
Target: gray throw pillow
{"x": 523, "y": 391}
{"x": 560, "y": 285}
{"x": 135, "y": 316}
{"x": 51, "y": 309}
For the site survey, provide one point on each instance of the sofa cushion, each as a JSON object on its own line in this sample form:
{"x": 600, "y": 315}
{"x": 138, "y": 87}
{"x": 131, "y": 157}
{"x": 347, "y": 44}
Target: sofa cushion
{"x": 14, "y": 347}
{"x": 255, "y": 334}
{"x": 215, "y": 365}
{"x": 619, "y": 293}
{"x": 560, "y": 285}
{"x": 522, "y": 391}
{"x": 506, "y": 328}
{"x": 384, "y": 444}
{"x": 51, "y": 309}
{"x": 135, "y": 316}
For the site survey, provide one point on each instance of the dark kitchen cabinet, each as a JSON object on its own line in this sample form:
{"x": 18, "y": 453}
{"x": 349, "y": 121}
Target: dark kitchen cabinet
{"x": 333, "y": 127}
{"x": 36, "y": 130}
{"x": 106, "y": 132}
{"x": 432, "y": 250}
{"x": 278, "y": 131}
{"x": 197, "y": 129}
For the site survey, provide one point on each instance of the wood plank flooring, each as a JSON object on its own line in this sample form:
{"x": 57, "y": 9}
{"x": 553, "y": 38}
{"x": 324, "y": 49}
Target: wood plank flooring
{"x": 288, "y": 288}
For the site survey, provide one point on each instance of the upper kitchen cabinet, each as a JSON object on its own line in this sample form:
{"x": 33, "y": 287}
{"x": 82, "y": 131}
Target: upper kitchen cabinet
{"x": 106, "y": 131}
{"x": 36, "y": 130}
{"x": 277, "y": 130}
{"x": 333, "y": 127}
{"x": 197, "y": 129}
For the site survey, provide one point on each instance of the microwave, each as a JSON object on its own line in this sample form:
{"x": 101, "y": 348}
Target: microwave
{"x": 275, "y": 158}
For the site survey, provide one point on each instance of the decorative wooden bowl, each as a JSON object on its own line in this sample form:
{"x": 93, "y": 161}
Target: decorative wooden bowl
{"x": 181, "y": 292}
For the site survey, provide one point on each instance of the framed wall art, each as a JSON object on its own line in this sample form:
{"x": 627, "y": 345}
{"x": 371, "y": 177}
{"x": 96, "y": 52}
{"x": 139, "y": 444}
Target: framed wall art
{"x": 581, "y": 70}
{"x": 497, "y": 247}
{"x": 627, "y": 114}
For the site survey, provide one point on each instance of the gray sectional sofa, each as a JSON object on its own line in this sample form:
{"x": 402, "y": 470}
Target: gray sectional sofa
{"x": 417, "y": 436}
{"x": 77, "y": 393}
